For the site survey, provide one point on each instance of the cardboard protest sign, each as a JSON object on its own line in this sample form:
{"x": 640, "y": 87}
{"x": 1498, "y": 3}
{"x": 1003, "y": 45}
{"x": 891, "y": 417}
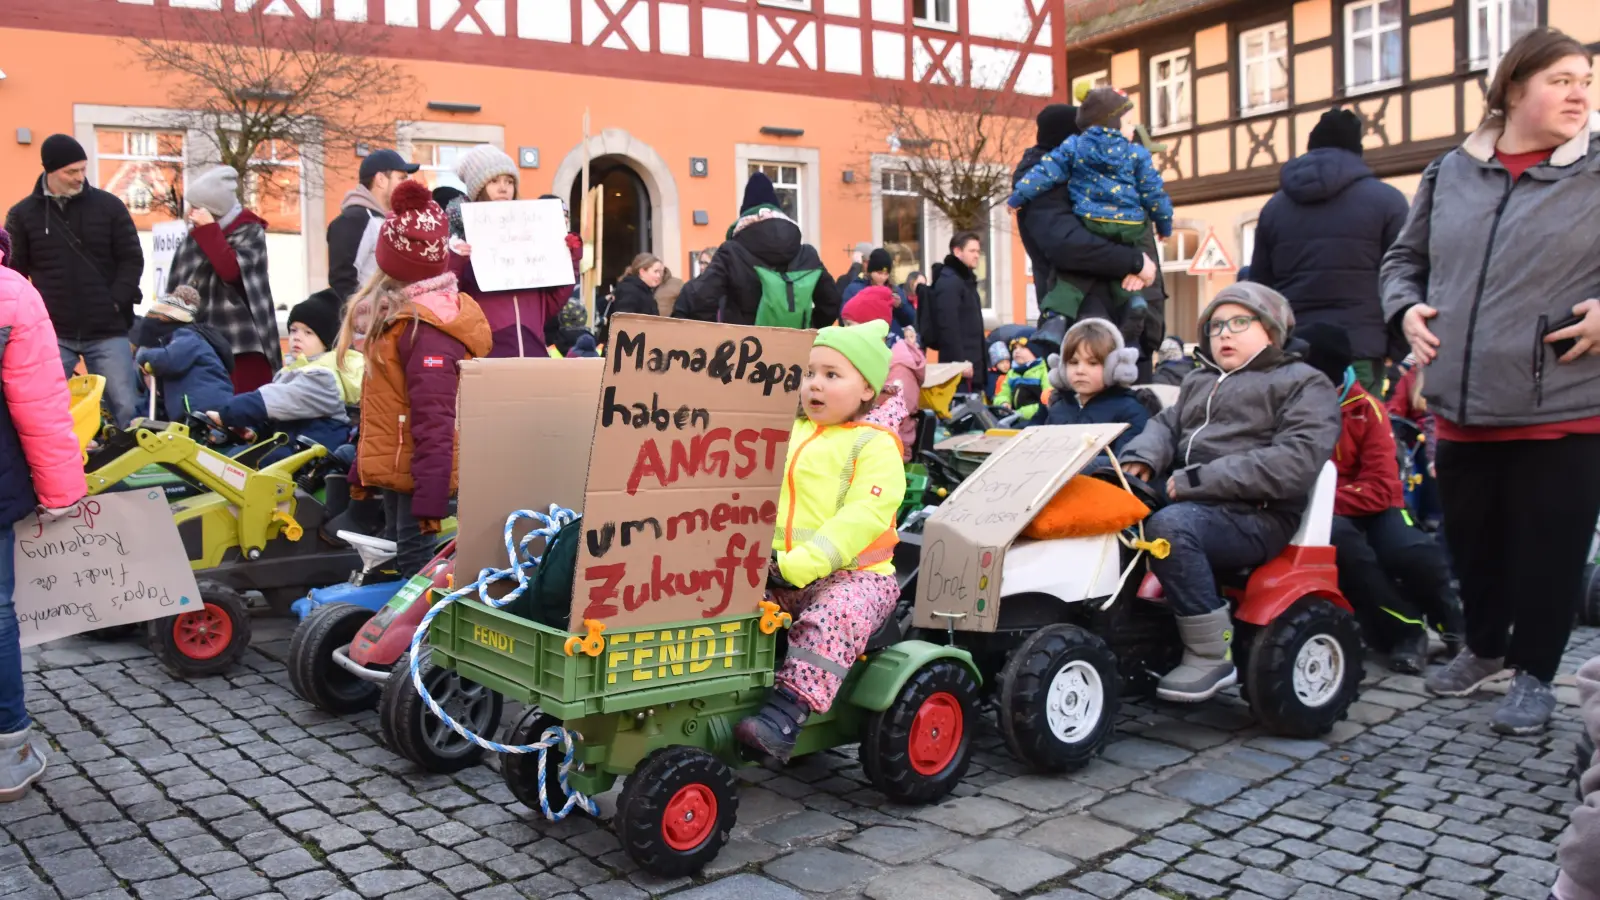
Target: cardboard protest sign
{"x": 517, "y": 244}
{"x": 689, "y": 450}
{"x": 964, "y": 542}
{"x": 115, "y": 559}
{"x": 525, "y": 430}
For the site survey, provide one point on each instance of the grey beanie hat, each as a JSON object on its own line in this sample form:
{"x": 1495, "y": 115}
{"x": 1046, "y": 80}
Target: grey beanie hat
{"x": 216, "y": 190}
{"x": 1122, "y": 365}
{"x": 1269, "y": 306}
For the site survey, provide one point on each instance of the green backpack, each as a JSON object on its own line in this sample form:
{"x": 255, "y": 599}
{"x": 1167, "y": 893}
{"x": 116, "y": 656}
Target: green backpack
{"x": 786, "y": 297}
{"x": 548, "y": 599}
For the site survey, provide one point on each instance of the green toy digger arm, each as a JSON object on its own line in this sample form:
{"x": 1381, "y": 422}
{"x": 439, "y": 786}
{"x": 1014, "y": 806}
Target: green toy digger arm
{"x": 174, "y": 447}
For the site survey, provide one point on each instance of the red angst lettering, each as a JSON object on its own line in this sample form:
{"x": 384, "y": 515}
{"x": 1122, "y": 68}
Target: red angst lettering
{"x": 705, "y": 454}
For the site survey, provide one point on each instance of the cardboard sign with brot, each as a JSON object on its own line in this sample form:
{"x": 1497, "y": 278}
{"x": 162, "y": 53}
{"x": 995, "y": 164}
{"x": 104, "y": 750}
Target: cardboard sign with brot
{"x": 964, "y": 542}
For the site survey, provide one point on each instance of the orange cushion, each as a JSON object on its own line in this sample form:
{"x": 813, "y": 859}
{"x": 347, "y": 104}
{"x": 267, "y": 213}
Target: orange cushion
{"x": 1085, "y": 507}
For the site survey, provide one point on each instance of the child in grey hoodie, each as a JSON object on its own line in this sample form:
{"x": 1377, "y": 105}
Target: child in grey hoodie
{"x": 1580, "y": 852}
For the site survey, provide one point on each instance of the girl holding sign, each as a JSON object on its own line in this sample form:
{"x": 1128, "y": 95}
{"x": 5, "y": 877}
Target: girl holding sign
{"x": 422, "y": 326}
{"x": 834, "y": 550}
{"x": 519, "y": 318}
{"x": 40, "y": 465}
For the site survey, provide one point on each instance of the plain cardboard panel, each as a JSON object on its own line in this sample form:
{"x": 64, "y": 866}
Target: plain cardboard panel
{"x": 526, "y": 426}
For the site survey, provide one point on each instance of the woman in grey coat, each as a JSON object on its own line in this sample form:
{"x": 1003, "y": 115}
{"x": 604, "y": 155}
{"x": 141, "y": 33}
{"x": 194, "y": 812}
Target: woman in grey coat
{"x": 1493, "y": 281}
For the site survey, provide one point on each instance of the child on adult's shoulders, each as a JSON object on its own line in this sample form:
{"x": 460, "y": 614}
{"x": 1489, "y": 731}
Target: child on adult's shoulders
{"x": 192, "y": 364}
{"x": 1238, "y": 454}
{"x": 1093, "y": 382}
{"x": 310, "y": 396}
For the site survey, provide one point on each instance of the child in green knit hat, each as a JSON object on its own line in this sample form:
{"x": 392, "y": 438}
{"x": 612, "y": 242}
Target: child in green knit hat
{"x": 834, "y": 552}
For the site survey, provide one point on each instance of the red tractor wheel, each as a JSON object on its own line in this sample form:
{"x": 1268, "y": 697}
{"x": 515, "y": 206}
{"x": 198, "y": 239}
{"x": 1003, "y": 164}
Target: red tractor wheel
{"x": 917, "y": 750}
{"x": 676, "y": 811}
{"x": 204, "y": 641}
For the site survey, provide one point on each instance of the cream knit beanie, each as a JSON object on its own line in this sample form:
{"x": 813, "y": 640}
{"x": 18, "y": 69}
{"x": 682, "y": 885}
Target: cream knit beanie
{"x": 478, "y": 166}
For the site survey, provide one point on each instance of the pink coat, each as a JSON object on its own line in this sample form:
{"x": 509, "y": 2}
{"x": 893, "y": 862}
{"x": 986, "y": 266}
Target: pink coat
{"x": 36, "y": 394}
{"x": 907, "y": 366}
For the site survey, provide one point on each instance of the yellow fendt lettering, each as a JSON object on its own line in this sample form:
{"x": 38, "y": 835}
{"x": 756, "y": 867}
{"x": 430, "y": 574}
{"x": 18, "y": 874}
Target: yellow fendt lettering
{"x": 672, "y": 653}
{"x": 494, "y": 639}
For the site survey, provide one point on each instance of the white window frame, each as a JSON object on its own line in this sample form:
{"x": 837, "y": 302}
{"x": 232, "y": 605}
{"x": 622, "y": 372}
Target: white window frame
{"x": 1267, "y": 58}
{"x": 1185, "y": 252}
{"x": 1499, "y": 37}
{"x": 1169, "y": 84}
{"x": 1101, "y": 78}
{"x": 130, "y": 153}
{"x": 779, "y": 186}
{"x": 1247, "y": 242}
{"x": 934, "y": 21}
{"x": 809, "y": 162}
{"x": 1376, "y": 34}
{"x": 882, "y": 189}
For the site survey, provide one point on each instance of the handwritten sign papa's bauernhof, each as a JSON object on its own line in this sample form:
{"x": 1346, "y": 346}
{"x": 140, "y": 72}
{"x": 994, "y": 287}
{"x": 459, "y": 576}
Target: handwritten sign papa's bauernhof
{"x": 517, "y": 244}
{"x": 115, "y": 559}
{"x": 689, "y": 450}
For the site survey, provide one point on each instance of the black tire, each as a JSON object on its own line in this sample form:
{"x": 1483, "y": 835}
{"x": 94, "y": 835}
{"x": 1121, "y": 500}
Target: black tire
{"x": 680, "y": 783}
{"x": 414, "y": 732}
{"x": 1589, "y": 600}
{"x": 314, "y": 676}
{"x": 1059, "y": 694}
{"x": 207, "y": 641}
{"x": 521, "y": 770}
{"x": 920, "y": 762}
{"x": 1331, "y": 669}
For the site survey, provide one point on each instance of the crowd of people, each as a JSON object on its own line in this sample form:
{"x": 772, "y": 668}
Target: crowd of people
{"x": 1469, "y": 307}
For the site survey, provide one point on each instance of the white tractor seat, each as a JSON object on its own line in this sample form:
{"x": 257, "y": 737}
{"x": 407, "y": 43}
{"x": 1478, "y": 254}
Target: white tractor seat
{"x": 373, "y": 551}
{"x": 1316, "y": 527}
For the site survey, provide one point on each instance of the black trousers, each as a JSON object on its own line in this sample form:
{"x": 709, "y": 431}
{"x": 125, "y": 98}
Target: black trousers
{"x": 1393, "y": 574}
{"x": 1519, "y": 516}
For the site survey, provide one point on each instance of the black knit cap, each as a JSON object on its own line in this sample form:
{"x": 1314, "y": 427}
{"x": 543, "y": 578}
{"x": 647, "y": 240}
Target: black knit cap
{"x": 1329, "y": 351}
{"x": 879, "y": 260}
{"x": 758, "y": 191}
{"x": 1337, "y": 128}
{"x": 320, "y": 313}
{"x": 1057, "y": 122}
{"x": 59, "y": 151}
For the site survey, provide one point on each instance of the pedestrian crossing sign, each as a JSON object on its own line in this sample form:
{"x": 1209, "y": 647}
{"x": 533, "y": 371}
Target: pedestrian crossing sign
{"x": 1211, "y": 258}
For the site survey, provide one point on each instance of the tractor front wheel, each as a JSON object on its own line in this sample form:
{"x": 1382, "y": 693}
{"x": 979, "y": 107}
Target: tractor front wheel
{"x": 1058, "y": 698}
{"x": 313, "y": 675}
{"x": 676, "y": 811}
{"x": 203, "y": 641}
{"x": 918, "y": 749}
{"x": 521, "y": 770}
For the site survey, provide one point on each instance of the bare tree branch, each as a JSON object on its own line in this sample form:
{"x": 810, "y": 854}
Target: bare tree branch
{"x": 960, "y": 145}
{"x": 266, "y": 88}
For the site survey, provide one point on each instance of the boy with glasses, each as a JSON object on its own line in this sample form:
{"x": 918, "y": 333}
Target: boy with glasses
{"x": 1240, "y": 452}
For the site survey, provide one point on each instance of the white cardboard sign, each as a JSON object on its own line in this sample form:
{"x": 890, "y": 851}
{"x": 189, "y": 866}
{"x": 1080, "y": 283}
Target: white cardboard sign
{"x": 517, "y": 244}
{"x": 115, "y": 559}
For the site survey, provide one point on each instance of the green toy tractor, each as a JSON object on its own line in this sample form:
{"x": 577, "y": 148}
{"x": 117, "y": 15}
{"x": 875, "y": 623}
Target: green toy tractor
{"x": 658, "y": 705}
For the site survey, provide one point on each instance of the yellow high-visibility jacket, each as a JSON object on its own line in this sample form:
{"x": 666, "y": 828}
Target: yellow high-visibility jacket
{"x": 842, "y": 487}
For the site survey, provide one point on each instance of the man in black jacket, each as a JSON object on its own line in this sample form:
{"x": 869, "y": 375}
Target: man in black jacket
{"x": 729, "y": 289}
{"x": 350, "y": 256}
{"x": 80, "y": 247}
{"x": 1059, "y": 246}
{"x": 1321, "y": 239}
{"x": 955, "y": 317}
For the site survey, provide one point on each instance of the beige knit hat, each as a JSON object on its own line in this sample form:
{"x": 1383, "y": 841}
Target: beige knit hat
{"x": 182, "y": 305}
{"x": 478, "y": 166}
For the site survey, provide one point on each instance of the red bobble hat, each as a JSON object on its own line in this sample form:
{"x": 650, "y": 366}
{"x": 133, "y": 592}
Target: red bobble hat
{"x": 412, "y": 246}
{"x": 870, "y": 304}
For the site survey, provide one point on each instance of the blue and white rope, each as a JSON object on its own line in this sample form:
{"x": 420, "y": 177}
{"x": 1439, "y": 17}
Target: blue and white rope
{"x": 521, "y": 567}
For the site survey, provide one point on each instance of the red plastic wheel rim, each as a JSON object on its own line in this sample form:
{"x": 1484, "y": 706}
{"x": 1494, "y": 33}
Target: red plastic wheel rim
{"x": 690, "y": 817}
{"x": 204, "y": 633}
{"x": 935, "y": 734}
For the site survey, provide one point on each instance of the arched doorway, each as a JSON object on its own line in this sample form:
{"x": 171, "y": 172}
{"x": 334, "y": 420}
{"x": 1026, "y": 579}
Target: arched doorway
{"x": 626, "y": 216}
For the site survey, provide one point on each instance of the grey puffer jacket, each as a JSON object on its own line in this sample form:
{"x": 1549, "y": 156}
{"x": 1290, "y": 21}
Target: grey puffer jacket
{"x": 1257, "y": 435}
{"x": 1494, "y": 258}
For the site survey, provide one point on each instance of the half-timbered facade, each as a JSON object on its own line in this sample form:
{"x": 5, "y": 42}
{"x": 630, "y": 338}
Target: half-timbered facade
{"x": 685, "y": 99}
{"x": 1232, "y": 88}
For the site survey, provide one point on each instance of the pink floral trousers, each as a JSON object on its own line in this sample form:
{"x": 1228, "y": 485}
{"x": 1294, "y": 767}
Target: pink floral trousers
{"x": 833, "y": 618}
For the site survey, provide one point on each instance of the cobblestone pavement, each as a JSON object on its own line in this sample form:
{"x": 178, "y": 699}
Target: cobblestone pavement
{"x": 232, "y": 788}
